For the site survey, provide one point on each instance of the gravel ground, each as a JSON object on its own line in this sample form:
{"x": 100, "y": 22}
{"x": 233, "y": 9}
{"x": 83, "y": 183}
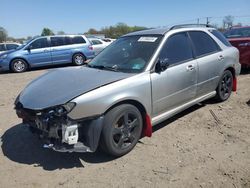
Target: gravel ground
{"x": 193, "y": 149}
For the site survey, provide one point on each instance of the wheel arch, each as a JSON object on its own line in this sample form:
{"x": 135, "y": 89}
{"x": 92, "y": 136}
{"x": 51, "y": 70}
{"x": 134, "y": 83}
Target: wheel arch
{"x": 77, "y": 52}
{"x": 232, "y": 70}
{"x": 21, "y": 59}
{"x": 147, "y": 126}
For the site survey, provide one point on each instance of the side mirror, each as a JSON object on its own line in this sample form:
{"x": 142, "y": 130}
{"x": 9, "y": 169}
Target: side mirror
{"x": 29, "y": 48}
{"x": 161, "y": 65}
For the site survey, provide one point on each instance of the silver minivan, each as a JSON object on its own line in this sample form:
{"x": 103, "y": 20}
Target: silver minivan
{"x": 138, "y": 81}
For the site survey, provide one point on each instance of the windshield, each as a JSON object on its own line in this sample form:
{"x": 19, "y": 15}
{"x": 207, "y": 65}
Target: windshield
{"x": 238, "y": 33}
{"x": 129, "y": 54}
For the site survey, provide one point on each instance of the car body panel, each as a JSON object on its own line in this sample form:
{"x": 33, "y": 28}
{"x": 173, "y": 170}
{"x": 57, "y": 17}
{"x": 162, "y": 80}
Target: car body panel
{"x": 44, "y": 92}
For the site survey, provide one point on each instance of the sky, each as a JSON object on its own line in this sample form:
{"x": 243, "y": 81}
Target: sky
{"x": 22, "y": 18}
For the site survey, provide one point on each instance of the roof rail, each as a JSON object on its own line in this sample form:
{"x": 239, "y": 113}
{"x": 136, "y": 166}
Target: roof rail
{"x": 189, "y": 25}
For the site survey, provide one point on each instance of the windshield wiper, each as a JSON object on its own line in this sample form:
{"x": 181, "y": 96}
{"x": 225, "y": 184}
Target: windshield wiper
{"x": 102, "y": 67}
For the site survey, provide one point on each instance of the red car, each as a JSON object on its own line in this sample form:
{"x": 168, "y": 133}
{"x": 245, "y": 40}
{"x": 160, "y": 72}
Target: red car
{"x": 239, "y": 37}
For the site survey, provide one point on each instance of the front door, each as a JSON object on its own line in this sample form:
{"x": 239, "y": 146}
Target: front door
{"x": 38, "y": 52}
{"x": 177, "y": 84}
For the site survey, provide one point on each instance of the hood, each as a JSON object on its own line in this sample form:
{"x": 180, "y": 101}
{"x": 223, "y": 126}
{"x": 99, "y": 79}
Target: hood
{"x": 7, "y": 52}
{"x": 62, "y": 85}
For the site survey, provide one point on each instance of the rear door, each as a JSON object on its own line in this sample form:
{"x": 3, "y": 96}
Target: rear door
{"x": 38, "y": 52}
{"x": 61, "y": 49}
{"x": 210, "y": 61}
{"x": 177, "y": 84}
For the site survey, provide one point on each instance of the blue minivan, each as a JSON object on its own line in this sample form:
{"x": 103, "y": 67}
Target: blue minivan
{"x": 47, "y": 50}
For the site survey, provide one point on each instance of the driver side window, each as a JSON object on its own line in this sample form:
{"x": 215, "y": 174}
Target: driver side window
{"x": 39, "y": 43}
{"x": 177, "y": 49}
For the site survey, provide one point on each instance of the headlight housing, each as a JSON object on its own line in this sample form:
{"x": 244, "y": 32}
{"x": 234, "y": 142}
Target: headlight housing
{"x": 64, "y": 109}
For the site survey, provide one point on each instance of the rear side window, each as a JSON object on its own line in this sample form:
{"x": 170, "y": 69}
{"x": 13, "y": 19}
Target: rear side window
{"x": 203, "y": 43}
{"x": 177, "y": 49}
{"x": 95, "y": 42}
{"x": 221, "y": 37}
{"x": 2, "y": 47}
{"x": 78, "y": 40}
{"x": 11, "y": 46}
{"x": 68, "y": 40}
{"x": 39, "y": 43}
{"x": 57, "y": 41}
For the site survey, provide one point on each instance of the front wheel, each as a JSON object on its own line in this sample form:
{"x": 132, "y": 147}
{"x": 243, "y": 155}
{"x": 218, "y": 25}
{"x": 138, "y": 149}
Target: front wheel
{"x": 18, "y": 65}
{"x": 225, "y": 86}
{"x": 78, "y": 59}
{"x": 122, "y": 130}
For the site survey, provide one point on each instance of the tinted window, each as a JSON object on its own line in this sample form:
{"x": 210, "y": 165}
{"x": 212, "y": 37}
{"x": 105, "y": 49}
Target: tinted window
{"x": 238, "y": 33}
{"x": 68, "y": 40}
{"x": 39, "y": 43}
{"x": 95, "y": 42}
{"x": 78, "y": 40}
{"x": 203, "y": 43}
{"x": 57, "y": 41}
{"x": 221, "y": 37}
{"x": 177, "y": 49}
{"x": 11, "y": 46}
{"x": 2, "y": 47}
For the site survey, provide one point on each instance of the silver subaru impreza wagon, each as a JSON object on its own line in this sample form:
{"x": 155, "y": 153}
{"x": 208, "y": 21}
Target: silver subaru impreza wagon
{"x": 140, "y": 80}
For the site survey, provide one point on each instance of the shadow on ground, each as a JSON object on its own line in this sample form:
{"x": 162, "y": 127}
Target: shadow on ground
{"x": 20, "y": 145}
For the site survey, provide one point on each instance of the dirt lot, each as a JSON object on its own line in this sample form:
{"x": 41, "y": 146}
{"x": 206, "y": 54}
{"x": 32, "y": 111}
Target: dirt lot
{"x": 190, "y": 150}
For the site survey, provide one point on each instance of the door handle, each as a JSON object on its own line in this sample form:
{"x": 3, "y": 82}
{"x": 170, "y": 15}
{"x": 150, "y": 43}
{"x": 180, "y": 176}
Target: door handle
{"x": 190, "y": 67}
{"x": 221, "y": 57}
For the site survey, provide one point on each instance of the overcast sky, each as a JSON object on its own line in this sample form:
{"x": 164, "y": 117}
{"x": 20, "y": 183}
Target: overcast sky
{"x": 22, "y": 18}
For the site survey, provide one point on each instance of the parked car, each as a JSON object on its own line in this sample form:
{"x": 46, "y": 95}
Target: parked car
{"x": 239, "y": 37}
{"x": 8, "y": 46}
{"x": 140, "y": 80}
{"x": 98, "y": 44}
{"x": 48, "y": 50}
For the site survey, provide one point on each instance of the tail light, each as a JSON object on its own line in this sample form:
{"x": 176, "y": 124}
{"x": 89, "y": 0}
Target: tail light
{"x": 90, "y": 47}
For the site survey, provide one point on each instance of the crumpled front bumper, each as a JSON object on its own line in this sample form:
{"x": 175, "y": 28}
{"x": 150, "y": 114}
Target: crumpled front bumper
{"x": 63, "y": 134}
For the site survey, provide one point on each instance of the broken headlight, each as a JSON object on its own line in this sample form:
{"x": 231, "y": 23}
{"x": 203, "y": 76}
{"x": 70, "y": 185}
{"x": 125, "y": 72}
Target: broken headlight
{"x": 64, "y": 109}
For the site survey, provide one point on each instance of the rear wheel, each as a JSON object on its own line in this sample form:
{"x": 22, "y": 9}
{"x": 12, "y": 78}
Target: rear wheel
{"x": 19, "y": 65}
{"x": 122, "y": 130}
{"x": 225, "y": 86}
{"x": 78, "y": 59}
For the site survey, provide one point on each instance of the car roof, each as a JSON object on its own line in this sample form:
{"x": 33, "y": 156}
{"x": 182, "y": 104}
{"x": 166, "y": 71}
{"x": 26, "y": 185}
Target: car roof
{"x": 163, "y": 31}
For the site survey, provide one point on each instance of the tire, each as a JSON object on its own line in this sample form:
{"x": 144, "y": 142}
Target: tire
{"x": 225, "y": 86}
{"x": 78, "y": 59}
{"x": 18, "y": 65}
{"x": 122, "y": 130}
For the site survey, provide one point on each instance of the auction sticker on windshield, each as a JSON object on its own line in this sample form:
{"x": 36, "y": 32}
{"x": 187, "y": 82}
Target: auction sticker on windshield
{"x": 147, "y": 39}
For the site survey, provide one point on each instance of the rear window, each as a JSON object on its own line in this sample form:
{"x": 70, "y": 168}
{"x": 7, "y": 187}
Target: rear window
{"x": 221, "y": 37}
{"x": 238, "y": 33}
{"x": 203, "y": 43}
{"x": 78, "y": 40}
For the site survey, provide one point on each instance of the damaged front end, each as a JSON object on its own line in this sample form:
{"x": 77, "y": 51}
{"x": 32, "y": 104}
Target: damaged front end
{"x": 59, "y": 132}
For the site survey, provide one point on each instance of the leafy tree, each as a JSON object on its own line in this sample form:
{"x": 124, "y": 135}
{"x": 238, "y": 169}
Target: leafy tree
{"x": 47, "y": 32}
{"x": 3, "y": 34}
{"x": 228, "y": 21}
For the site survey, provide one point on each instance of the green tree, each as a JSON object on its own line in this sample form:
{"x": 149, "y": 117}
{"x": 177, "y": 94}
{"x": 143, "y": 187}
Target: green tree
{"x": 3, "y": 34}
{"x": 47, "y": 32}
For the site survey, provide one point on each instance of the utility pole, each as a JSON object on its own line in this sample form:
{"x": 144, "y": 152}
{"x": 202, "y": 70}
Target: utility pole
{"x": 208, "y": 20}
{"x": 198, "y": 21}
